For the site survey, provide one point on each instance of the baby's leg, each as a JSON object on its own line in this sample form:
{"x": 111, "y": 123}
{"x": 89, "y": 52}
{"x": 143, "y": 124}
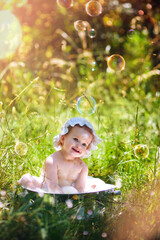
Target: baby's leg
{"x": 29, "y": 181}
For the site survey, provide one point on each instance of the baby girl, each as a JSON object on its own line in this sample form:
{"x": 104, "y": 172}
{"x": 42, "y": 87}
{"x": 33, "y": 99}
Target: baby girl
{"x": 64, "y": 171}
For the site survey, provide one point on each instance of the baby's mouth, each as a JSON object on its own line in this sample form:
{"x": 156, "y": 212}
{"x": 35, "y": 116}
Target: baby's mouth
{"x": 75, "y": 150}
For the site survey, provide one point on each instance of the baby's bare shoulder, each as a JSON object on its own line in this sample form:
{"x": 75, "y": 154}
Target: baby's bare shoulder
{"x": 83, "y": 164}
{"x": 53, "y": 158}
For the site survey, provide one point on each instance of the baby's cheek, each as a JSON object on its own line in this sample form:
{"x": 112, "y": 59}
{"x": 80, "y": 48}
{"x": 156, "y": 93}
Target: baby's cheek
{"x": 84, "y": 148}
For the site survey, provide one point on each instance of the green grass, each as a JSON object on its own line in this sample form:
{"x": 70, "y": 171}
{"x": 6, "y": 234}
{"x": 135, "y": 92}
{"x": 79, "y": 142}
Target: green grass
{"x": 39, "y": 87}
{"x": 121, "y": 125}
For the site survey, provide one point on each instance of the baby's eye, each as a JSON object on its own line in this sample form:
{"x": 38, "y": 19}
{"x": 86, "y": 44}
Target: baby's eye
{"x": 75, "y": 139}
{"x": 83, "y": 144}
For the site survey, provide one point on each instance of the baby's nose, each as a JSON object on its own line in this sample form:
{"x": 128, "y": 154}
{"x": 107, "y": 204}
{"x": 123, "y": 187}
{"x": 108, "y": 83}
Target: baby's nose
{"x": 78, "y": 145}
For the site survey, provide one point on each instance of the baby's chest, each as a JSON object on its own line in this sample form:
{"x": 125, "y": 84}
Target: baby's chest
{"x": 69, "y": 170}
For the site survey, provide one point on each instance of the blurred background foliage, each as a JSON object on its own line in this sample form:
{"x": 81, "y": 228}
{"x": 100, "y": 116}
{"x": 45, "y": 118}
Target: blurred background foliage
{"x": 63, "y": 58}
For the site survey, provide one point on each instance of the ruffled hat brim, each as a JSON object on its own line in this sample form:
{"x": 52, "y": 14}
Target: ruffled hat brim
{"x": 82, "y": 122}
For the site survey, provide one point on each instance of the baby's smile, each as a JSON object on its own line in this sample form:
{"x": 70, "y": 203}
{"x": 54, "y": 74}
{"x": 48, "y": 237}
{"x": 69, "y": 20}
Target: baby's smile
{"x": 75, "y": 150}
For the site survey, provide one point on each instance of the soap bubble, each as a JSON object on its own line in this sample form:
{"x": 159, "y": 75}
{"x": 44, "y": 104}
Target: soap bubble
{"x": 116, "y": 62}
{"x": 10, "y": 34}
{"x": 80, "y": 25}
{"x": 86, "y": 105}
{"x": 141, "y": 151}
{"x": 21, "y": 148}
{"x": 92, "y": 33}
{"x": 131, "y": 33}
{"x": 93, "y": 8}
{"x": 65, "y": 3}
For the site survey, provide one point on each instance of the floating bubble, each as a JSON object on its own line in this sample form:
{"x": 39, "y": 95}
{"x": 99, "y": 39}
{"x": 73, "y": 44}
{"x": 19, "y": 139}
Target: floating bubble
{"x": 131, "y": 33}
{"x": 21, "y": 148}
{"x": 93, "y": 8}
{"x": 116, "y": 62}
{"x": 65, "y": 3}
{"x": 80, "y": 25}
{"x": 10, "y": 34}
{"x": 92, "y": 33}
{"x": 86, "y": 105}
{"x": 141, "y": 151}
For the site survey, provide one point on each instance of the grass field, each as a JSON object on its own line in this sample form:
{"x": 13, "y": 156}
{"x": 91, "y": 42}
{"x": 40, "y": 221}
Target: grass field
{"x": 122, "y": 125}
{"x": 47, "y": 68}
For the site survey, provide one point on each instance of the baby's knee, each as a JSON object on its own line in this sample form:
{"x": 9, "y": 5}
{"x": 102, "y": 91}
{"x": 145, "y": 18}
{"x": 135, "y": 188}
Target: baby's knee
{"x": 30, "y": 182}
{"x": 69, "y": 190}
{"x": 25, "y": 180}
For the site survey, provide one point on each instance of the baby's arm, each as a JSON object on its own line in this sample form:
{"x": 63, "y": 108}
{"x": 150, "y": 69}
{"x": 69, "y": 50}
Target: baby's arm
{"x": 50, "y": 174}
{"x": 82, "y": 179}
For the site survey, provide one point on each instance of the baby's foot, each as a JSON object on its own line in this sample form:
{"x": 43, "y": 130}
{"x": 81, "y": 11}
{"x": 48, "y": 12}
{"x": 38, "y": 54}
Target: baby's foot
{"x": 24, "y": 181}
{"x": 28, "y": 181}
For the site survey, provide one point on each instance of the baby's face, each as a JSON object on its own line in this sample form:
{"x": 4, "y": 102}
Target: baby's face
{"x": 77, "y": 141}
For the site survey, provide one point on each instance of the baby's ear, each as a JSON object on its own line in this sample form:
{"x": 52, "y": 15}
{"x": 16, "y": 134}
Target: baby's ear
{"x": 62, "y": 140}
{"x": 89, "y": 147}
